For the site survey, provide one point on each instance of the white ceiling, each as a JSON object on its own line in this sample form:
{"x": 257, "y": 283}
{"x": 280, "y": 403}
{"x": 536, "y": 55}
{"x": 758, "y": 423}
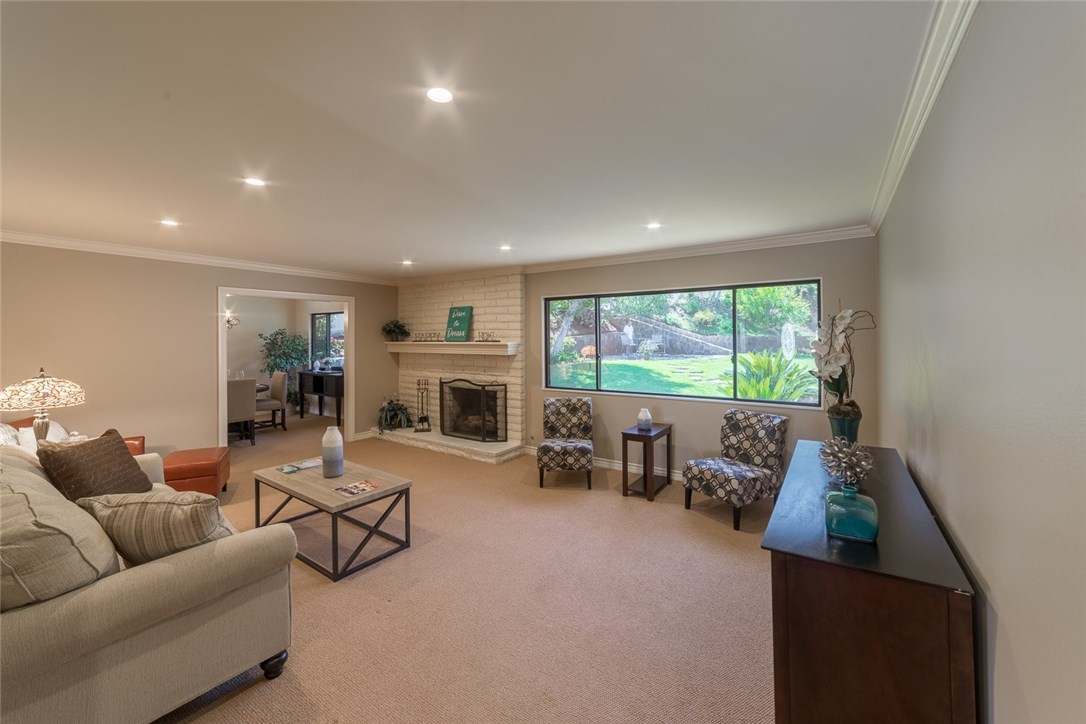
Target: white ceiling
{"x": 573, "y": 125}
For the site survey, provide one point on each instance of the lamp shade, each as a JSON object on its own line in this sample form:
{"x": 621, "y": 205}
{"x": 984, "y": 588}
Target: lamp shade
{"x": 41, "y": 393}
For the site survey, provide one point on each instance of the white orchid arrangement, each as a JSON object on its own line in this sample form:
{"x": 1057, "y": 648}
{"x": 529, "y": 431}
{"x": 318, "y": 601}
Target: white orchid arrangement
{"x": 832, "y": 352}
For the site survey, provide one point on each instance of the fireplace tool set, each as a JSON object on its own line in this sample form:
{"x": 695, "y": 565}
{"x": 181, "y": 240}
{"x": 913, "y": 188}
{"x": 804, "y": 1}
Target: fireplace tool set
{"x": 422, "y": 400}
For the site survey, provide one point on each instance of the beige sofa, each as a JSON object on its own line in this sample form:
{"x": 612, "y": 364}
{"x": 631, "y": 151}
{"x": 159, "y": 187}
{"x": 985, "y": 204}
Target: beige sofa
{"x": 136, "y": 644}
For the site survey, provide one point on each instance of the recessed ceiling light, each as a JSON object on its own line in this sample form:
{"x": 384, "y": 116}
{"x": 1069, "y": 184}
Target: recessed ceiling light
{"x": 439, "y": 95}
{"x": 169, "y": 222}
{"x": 407, "y": 262}
{"x": 253, "y": 181}
{"x": 505, "y": 247}
{"x": 654, "y": 225}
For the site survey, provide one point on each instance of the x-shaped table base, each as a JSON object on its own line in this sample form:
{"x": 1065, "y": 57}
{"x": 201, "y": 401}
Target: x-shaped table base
{"x": 337, "y": 571}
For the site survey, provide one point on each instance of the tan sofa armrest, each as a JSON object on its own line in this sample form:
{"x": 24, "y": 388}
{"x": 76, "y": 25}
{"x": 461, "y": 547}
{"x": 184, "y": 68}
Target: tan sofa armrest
{"x": 151, "y": 464}
{"x": 41, "y": 636}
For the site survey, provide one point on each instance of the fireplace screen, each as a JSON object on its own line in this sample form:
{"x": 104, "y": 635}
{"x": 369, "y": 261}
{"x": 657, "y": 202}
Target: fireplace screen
{"x": 473, "y": 411}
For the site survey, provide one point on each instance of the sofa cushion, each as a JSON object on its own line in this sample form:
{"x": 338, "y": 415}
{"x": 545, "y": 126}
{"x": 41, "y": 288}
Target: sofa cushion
{"x": 23, "y": 476}
{"x": 101, "y": 466}
{"x": 149, "y": 526}
{"x": 49, "y": 545}
{"x": 8, "y": 434}
{"x": 16, "y": 457}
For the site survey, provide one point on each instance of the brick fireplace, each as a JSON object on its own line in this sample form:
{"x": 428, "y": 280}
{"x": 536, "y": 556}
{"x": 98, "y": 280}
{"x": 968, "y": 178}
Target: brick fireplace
{"x": 498, "y": 303}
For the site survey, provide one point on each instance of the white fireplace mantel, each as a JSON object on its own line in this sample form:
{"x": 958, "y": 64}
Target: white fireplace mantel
{"x": 500, "y": 349}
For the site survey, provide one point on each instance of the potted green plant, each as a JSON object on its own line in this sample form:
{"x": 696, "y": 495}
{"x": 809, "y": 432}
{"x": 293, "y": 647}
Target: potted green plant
{"x": 393, "y": 414}
{"x": 285, "y": 352}
{"x": 395, "y": 331}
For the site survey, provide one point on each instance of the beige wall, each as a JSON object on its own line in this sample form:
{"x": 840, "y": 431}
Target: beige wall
{"x": 258, "y": 315}
{"x": 847, "y": 269}
{"x": 141, "y": 336}
{"x": 982, "y": 266}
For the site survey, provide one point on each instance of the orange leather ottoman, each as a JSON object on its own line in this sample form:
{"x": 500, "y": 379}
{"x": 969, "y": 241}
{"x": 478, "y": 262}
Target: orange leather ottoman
{"x": 203, "y": 469}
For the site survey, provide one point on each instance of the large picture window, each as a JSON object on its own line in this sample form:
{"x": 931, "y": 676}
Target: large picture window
{"x": 735, "y": 343}
{"x": 327, "y": 338}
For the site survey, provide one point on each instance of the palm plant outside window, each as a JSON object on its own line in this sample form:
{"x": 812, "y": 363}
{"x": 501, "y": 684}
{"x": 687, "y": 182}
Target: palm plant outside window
{"x": 732, "y": 343}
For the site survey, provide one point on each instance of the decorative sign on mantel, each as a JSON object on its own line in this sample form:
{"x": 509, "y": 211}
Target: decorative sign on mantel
{"x": 456, "y": 330}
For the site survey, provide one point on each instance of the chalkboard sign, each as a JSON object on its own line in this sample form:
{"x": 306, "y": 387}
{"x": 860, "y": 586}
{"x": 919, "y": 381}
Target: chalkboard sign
{"x": 459, "y": 323}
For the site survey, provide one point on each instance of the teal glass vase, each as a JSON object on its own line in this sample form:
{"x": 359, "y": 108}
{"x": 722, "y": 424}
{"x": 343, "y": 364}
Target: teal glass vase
{"x": 851, "y": 516}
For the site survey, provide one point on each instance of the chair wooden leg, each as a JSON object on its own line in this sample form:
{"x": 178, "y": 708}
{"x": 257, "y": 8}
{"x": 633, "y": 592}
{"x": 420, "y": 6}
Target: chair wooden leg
{"x": 541, "y": 477}
{"x": 688, "y": 492}
{"x": 736, "y": 512}
{"x": 252, "y": 432}
{"x": 589, "y": 479}
{"x": 283, "y": 419}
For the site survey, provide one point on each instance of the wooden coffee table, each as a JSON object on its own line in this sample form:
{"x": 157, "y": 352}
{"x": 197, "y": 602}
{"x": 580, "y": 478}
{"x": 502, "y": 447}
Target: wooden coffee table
{"x": 311, "y": 487}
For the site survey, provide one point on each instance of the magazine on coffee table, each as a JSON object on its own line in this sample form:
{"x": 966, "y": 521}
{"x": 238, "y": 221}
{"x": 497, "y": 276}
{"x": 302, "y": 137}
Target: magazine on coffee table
{"x": 358, "y": 488}
{"x": 300, "y": 465}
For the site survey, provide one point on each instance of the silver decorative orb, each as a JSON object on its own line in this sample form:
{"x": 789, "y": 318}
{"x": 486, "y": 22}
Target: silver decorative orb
{"x": 848, "y": 462}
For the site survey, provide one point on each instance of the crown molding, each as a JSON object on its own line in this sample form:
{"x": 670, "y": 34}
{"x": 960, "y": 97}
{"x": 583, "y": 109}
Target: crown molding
{"x": 474, "y": 273}
{"x": 768, "y": 242}
{"x": 99, "y": 247}
{"x": 722, "y": 247}
{"x": 949, "y": 23}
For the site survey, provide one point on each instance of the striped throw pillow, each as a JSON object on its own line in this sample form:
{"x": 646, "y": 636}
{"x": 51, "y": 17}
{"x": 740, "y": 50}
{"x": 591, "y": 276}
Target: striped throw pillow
{"x": 148, "y": 526}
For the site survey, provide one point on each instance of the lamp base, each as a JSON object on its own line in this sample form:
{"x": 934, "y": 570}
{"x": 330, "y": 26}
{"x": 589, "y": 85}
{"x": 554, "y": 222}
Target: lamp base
{"x": 41, "y": 425}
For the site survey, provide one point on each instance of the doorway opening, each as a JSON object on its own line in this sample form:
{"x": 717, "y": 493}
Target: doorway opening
{"x": 245, "y": 314}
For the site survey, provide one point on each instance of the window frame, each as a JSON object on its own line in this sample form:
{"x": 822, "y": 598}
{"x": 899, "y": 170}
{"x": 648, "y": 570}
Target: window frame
{"x": 313, "y": 333}
{"x": 732, "y": 288}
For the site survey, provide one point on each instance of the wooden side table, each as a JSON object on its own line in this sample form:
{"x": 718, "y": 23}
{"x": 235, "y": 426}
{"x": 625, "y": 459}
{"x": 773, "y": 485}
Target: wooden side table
{"x": 648, "y": 440}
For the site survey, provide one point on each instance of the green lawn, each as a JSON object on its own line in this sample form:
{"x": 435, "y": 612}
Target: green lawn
{"x": 708, "y": 376}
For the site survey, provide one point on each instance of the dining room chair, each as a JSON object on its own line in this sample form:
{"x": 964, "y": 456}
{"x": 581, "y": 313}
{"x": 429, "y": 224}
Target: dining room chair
{"x": 275, "y": 402}
{"x": 241, "y": 407}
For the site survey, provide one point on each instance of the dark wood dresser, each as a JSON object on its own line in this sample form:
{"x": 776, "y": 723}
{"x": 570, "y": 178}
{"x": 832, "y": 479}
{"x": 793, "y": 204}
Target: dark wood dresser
{"x": 867, "y": 633}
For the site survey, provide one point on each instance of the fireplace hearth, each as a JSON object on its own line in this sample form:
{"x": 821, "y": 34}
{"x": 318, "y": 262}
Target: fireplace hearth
{"x": 474, "y": 411}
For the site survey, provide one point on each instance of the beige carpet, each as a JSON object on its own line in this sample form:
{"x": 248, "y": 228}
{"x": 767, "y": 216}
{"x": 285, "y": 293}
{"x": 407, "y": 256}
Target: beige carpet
{"x": 515, "y": 604}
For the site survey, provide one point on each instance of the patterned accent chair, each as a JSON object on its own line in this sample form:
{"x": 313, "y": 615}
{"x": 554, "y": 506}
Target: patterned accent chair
{"x": 567, "y": 429}
{"x": 751, "y": 465}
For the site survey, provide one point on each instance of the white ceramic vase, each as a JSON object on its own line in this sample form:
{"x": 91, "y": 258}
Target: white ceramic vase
{"x": 332, "y": 452}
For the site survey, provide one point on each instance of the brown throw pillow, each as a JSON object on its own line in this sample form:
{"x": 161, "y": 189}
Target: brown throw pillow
{"x": 102, "y": 466}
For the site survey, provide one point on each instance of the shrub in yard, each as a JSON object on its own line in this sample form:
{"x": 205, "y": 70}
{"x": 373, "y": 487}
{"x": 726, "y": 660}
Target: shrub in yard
{"x": 647, "y": 349}
{"x": 589, "y": 351}
{"x": 766, "y": 376}
{"x": 568, "y": 353}
{"x": 704, "y": 318}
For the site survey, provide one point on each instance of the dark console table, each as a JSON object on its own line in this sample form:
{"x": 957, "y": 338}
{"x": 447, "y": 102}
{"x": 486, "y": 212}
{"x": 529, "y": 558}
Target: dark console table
{"x": 322, "y": 384}
{"x": 867, "y": 632}
{"x": 649, "y": 483}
